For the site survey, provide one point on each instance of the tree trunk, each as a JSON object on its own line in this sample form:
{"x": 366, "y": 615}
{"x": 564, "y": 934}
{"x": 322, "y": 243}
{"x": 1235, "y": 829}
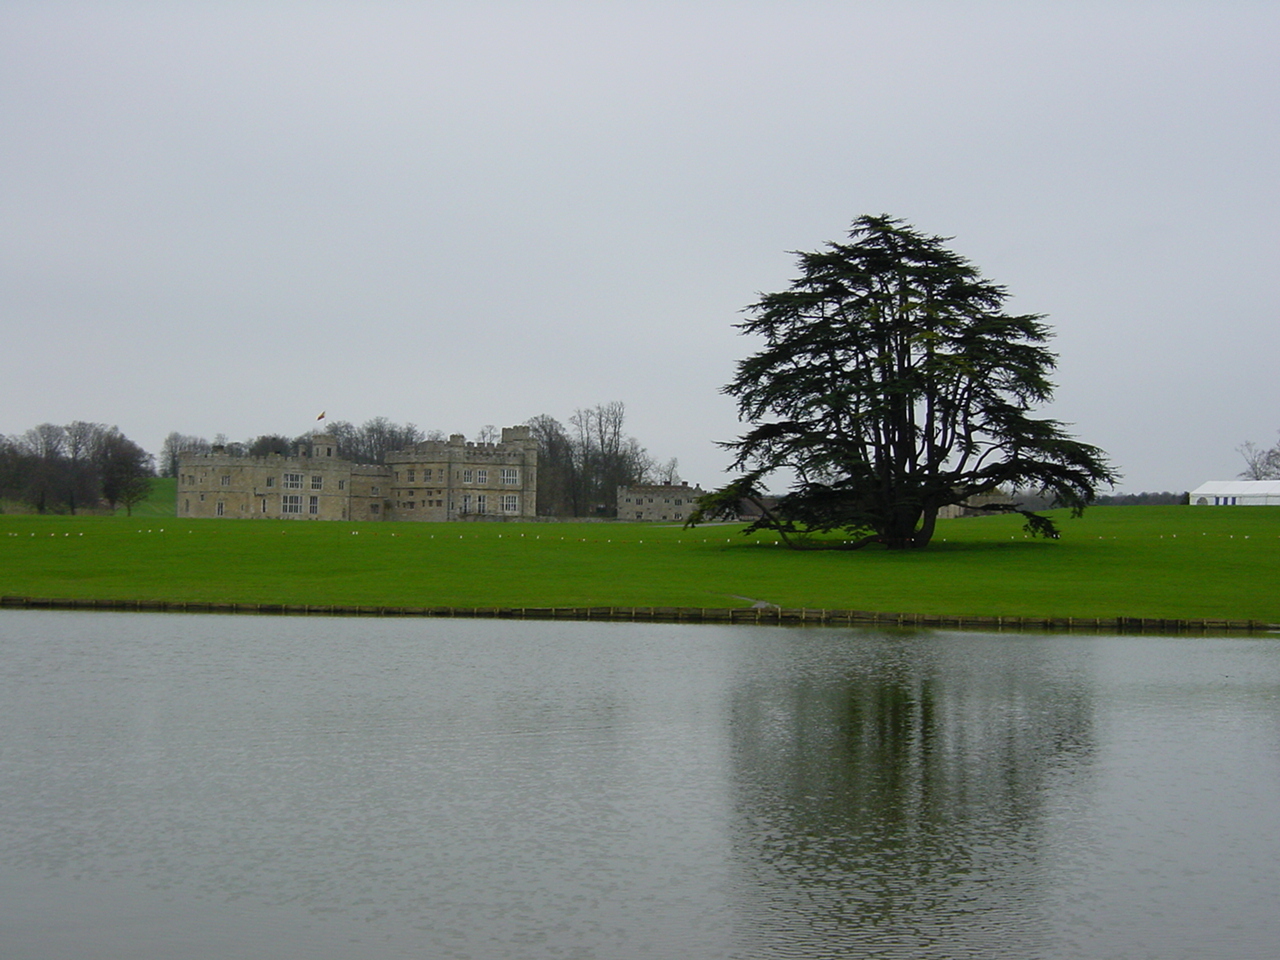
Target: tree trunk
{"x": 928, "y": 522}
{"x": 905, "y": 530}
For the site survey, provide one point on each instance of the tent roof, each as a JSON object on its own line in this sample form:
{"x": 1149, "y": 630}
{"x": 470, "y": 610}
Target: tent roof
{"x": 1238, "y": 488}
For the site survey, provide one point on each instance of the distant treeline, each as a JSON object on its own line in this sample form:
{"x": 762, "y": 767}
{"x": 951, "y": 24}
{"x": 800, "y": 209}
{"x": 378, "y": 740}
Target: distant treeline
{"x": 1164, "y": 498}
{"x": 580, "y": 466}
{"x": 1033, "y": 501}
{"x": 368, "y": 443}
{"x": 79, "y": 466}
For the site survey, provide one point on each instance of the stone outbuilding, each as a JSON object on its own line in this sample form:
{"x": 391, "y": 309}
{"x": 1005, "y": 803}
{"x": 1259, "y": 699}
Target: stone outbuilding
{"x": 667, "y": 501}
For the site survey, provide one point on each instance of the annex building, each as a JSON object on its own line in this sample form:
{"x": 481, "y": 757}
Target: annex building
{"x": 431, "y": 481}
{"x": 657, "y": 501}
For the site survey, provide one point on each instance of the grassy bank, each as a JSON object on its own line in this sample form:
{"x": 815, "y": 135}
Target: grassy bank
{"x": 1163, "y": 562}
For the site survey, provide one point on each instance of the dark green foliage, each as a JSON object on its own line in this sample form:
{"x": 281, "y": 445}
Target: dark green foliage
{"x": 270, "y": 443}
{"x": 892, "y": 383}
{"x": 1143, "y": 499}
{"x": 125, "y": 471}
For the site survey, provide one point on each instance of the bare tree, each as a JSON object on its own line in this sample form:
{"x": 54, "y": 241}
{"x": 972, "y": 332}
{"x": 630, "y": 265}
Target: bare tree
{"x": 81, "y": 442}
{"x": 1260, "y": 464}
{"x": 374, "y": 439}
{"x": 176, "y": 444}
{"x": 581, "y": 468}
{"x": 46, "y": 446}
{"x": 56, "y": 468}
{"x": 346, "y": 436}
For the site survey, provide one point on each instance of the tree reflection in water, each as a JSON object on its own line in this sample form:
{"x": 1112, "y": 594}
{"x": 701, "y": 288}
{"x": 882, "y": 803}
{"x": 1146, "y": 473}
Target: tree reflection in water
{"x": 900, "y": 805}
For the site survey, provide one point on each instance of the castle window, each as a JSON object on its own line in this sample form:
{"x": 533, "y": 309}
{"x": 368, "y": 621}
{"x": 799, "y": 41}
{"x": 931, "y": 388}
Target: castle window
{"x": 226, "y": 479}
{"x": 426, "y": 475}
{"x": 317, "y": 483}
{"x": 411, "y": 476}
{"x": 510, "y": 475}
{"x": 375, "y": 491}
{"x": 466, "y": 503}
{"x": 482, "y": 476}
{"x": 271, "y": 481}
{"x": 510, "y": 503}
{"x": 221, "y": 508}
{"x": 375, "y": 507}
{"x": 314, "y": 506}
{"x": 291, "y": 503}
{"x": 481, "y": 503}
{"x": 293, "y": 481}
{"x": 342, "y": 484}
{"x": 466, "y": 476}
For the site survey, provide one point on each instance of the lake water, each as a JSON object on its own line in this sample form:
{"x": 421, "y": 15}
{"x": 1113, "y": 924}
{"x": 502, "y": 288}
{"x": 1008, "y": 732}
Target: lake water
{"x": 202, "y": 786}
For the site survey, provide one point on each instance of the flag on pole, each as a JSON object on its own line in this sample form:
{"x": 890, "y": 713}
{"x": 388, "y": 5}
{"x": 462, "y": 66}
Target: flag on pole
{"x": 321, "y": 417}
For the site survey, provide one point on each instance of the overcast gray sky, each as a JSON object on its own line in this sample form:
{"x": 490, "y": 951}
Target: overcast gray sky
{"x": 227, "y": 217}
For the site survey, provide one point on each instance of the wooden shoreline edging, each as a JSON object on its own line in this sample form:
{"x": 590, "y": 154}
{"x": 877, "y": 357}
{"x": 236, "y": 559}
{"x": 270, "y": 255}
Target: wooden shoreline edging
{"x": 752, "y": 615}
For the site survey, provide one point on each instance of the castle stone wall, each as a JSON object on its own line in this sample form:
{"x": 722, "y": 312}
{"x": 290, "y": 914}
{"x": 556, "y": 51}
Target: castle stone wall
{"x": 434, "y": 480}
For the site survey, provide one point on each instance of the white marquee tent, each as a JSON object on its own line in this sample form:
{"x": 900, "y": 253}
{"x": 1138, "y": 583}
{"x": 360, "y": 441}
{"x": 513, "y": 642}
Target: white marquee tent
{"x": 1237, "y": 493}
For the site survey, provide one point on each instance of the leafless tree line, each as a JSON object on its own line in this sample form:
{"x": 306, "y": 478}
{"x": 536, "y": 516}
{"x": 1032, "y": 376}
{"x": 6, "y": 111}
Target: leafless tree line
{"x": 63, "y": 469}
{"x": 581, "y": 466}
{"x": 368, "y": 443}
{"x": 1260, "y": 463}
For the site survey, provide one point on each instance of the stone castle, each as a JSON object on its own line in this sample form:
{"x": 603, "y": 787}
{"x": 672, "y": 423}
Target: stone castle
{"x": 434, "y": 480}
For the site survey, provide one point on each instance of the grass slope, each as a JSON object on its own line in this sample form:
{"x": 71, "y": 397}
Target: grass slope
{"x": 160, "y": 502}
{"x": 1168, "y": 562}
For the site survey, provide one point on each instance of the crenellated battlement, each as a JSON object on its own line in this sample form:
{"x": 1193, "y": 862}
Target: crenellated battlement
{"x": 435, "y": 480}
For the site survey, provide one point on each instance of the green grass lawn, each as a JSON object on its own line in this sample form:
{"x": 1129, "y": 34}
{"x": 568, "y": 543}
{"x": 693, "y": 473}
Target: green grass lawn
{"x": 1160, "y": 562}
{"x": 160, "y": 502}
